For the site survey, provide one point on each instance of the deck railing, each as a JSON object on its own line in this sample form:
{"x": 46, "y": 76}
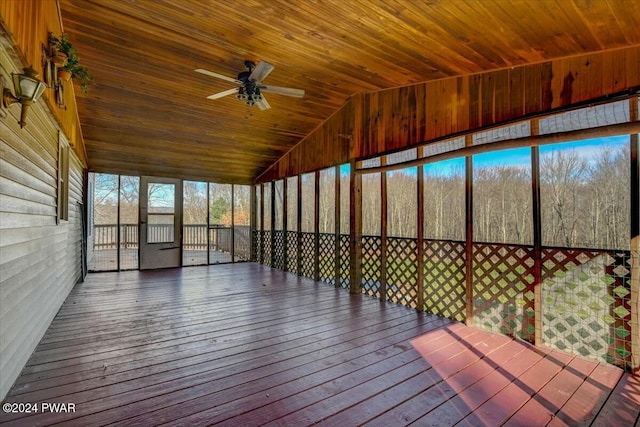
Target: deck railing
{"x": 194, "y": 237}
{"x": 584, "y": 295}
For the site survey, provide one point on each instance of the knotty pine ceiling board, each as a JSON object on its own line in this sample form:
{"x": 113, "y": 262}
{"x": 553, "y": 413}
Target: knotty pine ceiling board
{"x": 147, "y": 111}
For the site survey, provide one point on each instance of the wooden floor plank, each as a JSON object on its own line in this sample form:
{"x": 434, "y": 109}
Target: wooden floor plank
{"x": 623, "y": 406}
{"x": 582, "y": 407}
{"x": 515, "y": 358}
{"x": 248, "y": 345}
{"x": 546, "y": 402}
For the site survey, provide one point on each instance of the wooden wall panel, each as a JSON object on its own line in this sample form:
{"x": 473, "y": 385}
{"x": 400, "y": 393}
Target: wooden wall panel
{"x": 39, "y": 260}
{"x": 27, "y": 24}
{"x": 402, "y": 117}
{"x": 329, "y": 144}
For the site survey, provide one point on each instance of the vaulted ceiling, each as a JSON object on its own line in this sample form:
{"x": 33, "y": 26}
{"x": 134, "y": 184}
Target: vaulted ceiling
{"x": 147, "y": 112}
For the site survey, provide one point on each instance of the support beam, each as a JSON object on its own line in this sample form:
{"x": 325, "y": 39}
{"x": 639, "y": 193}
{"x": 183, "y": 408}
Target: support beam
{"x": 635, "y": 243}
{"x": 273, "y": 224}
{"x": 299, "y": 227}
{"x": 355, "y": 230}
{"x": 233, "y": 224}
{"x": 336, "y": 213}
{"x": 253, "y": 226}
{"x": 537, "y": 238}
{"x": 383, "y": 232}
{"x": 118, "y": 226}
{"x": 469, "y": 236}
{"x": 420, "y": 235}
{"x": 316, "y": 226}
{"x": 285, "y": 209}
{"x": 261, "y": 261}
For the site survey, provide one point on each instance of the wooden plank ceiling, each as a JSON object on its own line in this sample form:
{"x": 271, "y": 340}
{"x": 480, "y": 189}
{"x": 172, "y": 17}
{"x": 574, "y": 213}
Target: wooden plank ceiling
{"x": 147, "y": 111}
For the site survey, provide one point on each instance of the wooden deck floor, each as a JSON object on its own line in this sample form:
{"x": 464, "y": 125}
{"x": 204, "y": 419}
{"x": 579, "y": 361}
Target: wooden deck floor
{"x": 245, "y": 345}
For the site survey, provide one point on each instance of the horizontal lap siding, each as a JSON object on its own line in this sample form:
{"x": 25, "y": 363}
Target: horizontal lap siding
{"x": 39, "y": 260}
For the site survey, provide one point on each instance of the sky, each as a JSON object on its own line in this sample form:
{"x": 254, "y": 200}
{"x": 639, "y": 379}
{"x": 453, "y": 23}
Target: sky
{"x": 588, "y": 149}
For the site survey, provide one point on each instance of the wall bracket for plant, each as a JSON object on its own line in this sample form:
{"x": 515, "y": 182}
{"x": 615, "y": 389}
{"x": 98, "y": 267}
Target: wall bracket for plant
{"x": 65, "y": 65}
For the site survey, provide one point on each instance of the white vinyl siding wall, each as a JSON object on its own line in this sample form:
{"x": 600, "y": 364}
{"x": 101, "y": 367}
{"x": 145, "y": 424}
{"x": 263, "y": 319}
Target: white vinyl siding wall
{"x": 40, "y": 261}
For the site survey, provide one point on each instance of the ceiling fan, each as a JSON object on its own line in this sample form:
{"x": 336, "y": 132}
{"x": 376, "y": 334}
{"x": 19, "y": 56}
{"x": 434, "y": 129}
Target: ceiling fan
{"x": 250, "y": 85}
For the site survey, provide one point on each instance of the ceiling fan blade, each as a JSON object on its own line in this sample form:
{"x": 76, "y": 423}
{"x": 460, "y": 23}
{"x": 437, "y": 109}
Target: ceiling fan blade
{"x": 219, "y": 76}
{"x": 263, "y": 104}
{"x": 287, "y": 91}
{"x": 223, "y": 93}
{"x": 261, "y": 71}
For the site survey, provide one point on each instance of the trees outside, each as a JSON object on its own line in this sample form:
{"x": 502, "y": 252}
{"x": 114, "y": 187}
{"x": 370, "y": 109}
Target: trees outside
{"x": 402, "y": 205}
{"x": 279, "y": 205}
{"x": 194, "y": 200}
{"x": 585, "y": 200}
{"x": 307, "y": 223}
{"x": 106, "y": 201}
{"x": 502, "y": 204}
{"x": 327, "y": 215}
{"x": 444, "y": 200}
{"x": 371, "y": 204}
{"x": 242, "y": 205}
{"x": 345, "y": 202}
{"x": 292, "y": 203}
{"x": 585, "y": 191}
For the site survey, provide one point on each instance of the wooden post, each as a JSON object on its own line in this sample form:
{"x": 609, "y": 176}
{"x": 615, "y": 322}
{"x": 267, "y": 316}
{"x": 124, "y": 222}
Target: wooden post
{"x": 316, "y": 226}
{"x": 635, "y": 243}
{"x": 233, "y": 223}
{"x": 336, "y": 213}
{"x": 420, "y": 234}
{"x": 285, "y": 243}
{"x": 273, "y": 224}
{"x": 261, "y": 223}
{"x": 252, "y": 222}
{"x": 118, "y": 227}
{"x": 537, "y": 237}
{"x": 299, "y": 228}
{"x": 383, "y": 231}
{"x": 355, "y": 230}
{"x": 469, "y": 234}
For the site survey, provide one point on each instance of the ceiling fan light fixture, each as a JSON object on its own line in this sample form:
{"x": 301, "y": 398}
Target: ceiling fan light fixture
{"x": 250, "y": 85}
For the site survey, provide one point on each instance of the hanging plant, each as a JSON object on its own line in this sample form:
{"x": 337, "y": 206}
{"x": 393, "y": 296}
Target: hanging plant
{"x": 71, "y": 67}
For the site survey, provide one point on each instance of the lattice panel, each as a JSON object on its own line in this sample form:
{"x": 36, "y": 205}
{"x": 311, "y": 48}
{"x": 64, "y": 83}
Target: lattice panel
{"x": 503, "y": 289}
{"x": 586, "y": 303}
{"x": 444, "y": 278}
{"x": 327, "y": 258}
{"x": 292, "y": 251}
{"x": 266, "y": 247}
{"x": 402, "y": 271}
{"x": 278, "y": 249}
{"x": 371, "y": 261}
{"x": 257, "y": 244}
{"x": 307, "y": 252}
{"x": 345, "y": 261}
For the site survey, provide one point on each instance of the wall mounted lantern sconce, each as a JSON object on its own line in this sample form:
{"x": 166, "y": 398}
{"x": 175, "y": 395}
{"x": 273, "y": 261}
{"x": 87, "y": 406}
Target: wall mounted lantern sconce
{"x": 28, "y": 88}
